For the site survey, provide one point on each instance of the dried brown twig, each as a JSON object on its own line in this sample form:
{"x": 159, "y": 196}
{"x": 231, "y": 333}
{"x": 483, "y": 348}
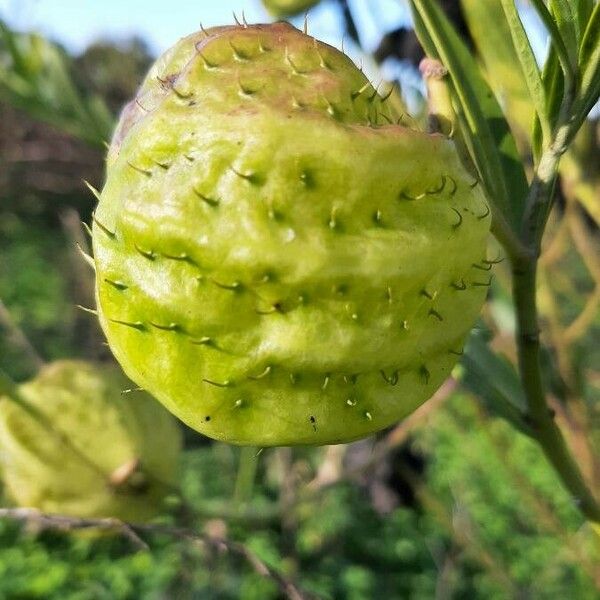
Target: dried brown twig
{"x": 134, "y": 532}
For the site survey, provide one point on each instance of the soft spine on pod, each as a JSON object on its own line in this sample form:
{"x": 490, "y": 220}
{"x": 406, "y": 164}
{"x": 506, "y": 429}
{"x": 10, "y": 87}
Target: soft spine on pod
{"x": 279, "y": 260}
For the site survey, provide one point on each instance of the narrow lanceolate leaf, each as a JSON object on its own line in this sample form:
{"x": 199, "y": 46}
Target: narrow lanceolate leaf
{"x": 584, "y": 10}
{"x": 589, "y": 66}
{"x": 490, "y": 32}
{"x": 486, "y": 130}
{"x": 528, "y": 65}
{"x": 557, "y": 42}
{"x": 554, "y": 86}
{"x": 567, "y": 21}
{"x": 494, "y": 380}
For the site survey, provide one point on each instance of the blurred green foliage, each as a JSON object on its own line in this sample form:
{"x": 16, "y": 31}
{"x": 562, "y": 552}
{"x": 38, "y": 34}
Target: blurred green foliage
{"x": 35, "y": 75}
{"x": 490, "y": 520}
{"x": 34, "y": 287}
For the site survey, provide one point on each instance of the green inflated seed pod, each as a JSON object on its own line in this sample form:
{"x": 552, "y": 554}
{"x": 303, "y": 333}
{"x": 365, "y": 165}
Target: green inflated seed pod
{"x": 73, "y": 443}
{"x": 277, "y": 261}
{"x": 283, "y": 9}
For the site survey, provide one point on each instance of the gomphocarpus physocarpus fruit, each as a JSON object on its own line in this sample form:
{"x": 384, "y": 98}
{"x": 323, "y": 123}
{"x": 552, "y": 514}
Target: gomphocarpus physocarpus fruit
{"x": 278, "y": 261}
{"x": 72, "y": 443}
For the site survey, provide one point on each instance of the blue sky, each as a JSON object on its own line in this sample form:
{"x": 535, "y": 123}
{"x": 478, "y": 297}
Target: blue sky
{"x": 76, "y": 23}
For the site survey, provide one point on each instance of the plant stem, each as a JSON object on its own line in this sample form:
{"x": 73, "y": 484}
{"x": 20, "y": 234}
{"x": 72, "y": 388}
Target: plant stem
{"x": 541, "y": 418}
{"x": 539, "y": 202}
{"x": 517, "y": 252}
{"x": 524, "y": 270}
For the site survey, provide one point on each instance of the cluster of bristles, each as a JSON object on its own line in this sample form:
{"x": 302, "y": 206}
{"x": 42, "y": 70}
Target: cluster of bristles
{"x": 375, "y": 111}
{"x": 285, "y": 305}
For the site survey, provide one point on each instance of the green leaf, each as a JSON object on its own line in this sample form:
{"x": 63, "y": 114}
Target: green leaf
{"x": 567, "y": 21}
{"x": 557, "y": 42}
{"x": 529, "y": 66}
{"x": 485, "y": 129}
{"x": 554, "y": 85}
{"x": 9, "y": 40}
{"x": 489, "y": 29}
{"x": 35, "y": 77}
{"x": 584, "y": 9}
{"x": 494, "y": 380}
{"x": 589, "y": 66}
